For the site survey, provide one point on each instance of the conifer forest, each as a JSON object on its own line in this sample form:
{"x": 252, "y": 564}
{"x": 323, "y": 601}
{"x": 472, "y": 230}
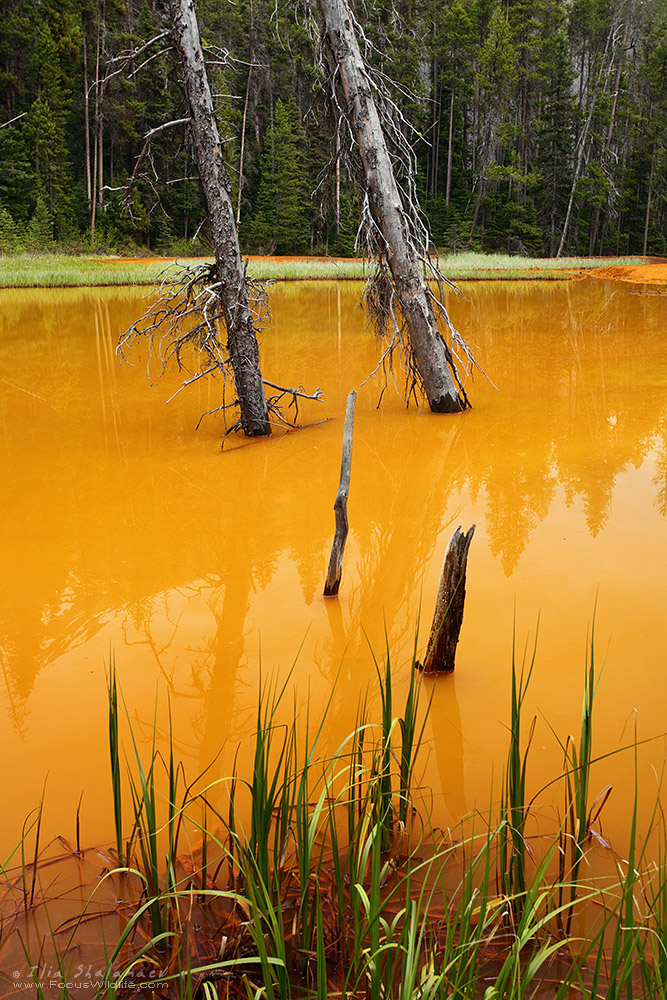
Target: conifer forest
{"x": 536, "y": 126}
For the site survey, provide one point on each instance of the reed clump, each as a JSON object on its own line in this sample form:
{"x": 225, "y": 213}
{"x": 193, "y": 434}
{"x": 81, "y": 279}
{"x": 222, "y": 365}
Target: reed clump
{"x": 320, "y": 875}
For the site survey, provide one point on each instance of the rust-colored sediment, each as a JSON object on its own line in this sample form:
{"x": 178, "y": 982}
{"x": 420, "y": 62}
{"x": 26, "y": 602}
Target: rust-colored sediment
{"x": 651, "y": 273}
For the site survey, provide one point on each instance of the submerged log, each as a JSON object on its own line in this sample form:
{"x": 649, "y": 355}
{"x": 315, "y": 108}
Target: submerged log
{"x": 340, "y": 504}
{"x": 448, "y": 614}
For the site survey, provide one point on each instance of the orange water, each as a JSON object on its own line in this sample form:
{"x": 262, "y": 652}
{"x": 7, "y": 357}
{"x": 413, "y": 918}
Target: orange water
{"x": 125, "y": 529}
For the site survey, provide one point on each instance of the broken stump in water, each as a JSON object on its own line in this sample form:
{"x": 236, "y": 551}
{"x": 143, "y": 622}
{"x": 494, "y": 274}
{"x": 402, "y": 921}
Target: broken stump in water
{"x": 340, "y": 504}
{"x": 448, "y": 614}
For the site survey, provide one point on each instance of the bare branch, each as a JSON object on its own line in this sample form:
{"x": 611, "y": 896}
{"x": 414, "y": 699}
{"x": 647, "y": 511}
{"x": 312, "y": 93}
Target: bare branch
{"x": 189, "y": 381}
{"x": 156, "y": 55}
{"x": 129, "y": 55}
{"x": 300, "y": 392}
{"x": 135, "y": 52}
{"x": 12, "y": 120}
{"x": 185, "y": 327}
{"x": 275, "y": 402}
{"x": 147, "y": 141}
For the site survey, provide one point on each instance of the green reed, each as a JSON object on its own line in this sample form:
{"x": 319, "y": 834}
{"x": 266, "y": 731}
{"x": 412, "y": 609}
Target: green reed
{"x": 656, "y": 905}
{"x": 307, "y": 826}
{"x": 270, "y": 787}
{"x": 382, "y": 764}
{"x": 411, "y": 738}
{"x": 114, "y": 755}
{"x": 578, "y": 817}
{"x": 322, "y": 875}
{"x": 144, "y": 792}
{"x": 346, "y": 769}
{"x": 513, "y": 806}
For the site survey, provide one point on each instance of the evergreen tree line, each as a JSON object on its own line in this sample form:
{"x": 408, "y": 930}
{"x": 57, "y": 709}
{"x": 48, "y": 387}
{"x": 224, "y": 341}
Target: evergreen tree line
{"x": 537, "y": 126}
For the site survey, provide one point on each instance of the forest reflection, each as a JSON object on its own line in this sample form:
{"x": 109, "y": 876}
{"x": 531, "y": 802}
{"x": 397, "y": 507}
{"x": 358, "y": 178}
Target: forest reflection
{"x": 123, "y": 527}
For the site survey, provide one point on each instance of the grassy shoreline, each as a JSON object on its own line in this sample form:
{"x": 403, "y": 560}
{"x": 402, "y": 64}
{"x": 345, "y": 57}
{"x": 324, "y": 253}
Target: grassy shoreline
{"x": 68, "y": 271}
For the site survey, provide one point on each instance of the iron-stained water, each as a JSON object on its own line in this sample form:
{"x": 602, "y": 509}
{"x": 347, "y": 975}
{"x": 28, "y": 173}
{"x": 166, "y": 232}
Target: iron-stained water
{"x": 126, "y": 532}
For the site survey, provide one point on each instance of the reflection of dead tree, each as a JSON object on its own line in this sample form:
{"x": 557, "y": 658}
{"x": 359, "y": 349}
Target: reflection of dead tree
{"x": 396, "y": 236}
{"x": 184, "y": 326}
{"x": 144, "y": 628}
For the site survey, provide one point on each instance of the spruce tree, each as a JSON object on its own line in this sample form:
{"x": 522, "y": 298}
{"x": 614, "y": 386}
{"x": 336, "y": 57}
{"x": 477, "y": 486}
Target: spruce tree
{"x": 17, "y": 177}
{"x": 9, "y": 236}
{"x": 45, "y": 126}
{"x": 39, "y": 234}
{"x": 281, "y": 223}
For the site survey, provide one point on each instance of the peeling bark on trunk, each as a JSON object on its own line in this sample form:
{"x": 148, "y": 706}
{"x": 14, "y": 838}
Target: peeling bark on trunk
{"x": 428, "y": 348}
{"x": 242, "y": 341}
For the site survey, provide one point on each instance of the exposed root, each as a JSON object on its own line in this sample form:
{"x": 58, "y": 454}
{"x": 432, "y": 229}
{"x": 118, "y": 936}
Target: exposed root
{"x": 185, "y": 328}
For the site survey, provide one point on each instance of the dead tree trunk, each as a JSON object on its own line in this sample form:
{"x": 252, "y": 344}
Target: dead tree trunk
{"x": 450, "y": 146}
{"x": 340, "y": 504}
{"x": 648, "y": 199}
{"x": 448, "y": 615}
{"x": 582, "y": 143}
{"x": 233, "y": 292}
{"x": 86, "y": 113}
{"x": 242, "y": 153}
{"x": 347, "y": 66}
{"x": 96, "y": 145}
{"x": 612, "y": 120}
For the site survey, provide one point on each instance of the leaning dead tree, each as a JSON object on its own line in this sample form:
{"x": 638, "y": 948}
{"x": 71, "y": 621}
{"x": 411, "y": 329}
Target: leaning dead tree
{"x": 231, "y": 285}
{"x": 206, "y": 317}
{"x": 397, "y": 230}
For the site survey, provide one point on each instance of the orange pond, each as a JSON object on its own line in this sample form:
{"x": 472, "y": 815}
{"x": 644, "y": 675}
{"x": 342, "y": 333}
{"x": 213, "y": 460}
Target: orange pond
{"x": 124, "y": 529}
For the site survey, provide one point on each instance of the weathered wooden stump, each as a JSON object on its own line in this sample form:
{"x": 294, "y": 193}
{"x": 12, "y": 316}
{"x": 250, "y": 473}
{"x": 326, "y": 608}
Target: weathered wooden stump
{"x": 448, "y": 615}
{"x": 340, "y": 504}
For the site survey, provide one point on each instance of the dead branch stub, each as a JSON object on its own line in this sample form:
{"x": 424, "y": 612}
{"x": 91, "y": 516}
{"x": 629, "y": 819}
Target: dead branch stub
{"x": 448, "y": 615}
{"x": 340, "y": 504}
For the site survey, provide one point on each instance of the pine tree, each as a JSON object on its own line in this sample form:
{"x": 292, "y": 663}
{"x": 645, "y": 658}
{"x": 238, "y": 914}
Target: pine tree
{"x": 515, "y": 105}
{"x": 17, "y": 177}
{"x": 45, "y": 126}
{"x": 9, "y": 235}
{"x": 281, "y": 222}
{"x": 554, "y": 126}
{"x": 39, "y": 234}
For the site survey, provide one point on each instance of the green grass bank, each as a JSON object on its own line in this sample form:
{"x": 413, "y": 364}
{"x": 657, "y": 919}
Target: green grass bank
{"x": 67, "y": 271}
